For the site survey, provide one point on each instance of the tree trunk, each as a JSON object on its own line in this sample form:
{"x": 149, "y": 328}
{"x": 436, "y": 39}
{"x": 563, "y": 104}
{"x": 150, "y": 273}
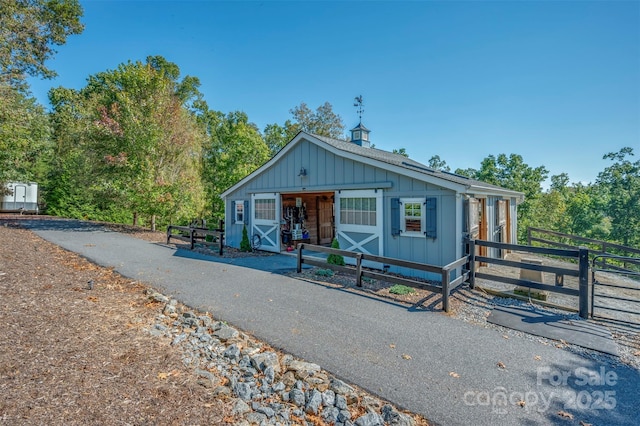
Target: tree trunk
{"x": 135, "y": 219}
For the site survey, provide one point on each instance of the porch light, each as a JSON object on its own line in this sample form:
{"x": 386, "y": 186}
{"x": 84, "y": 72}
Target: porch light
{"x": 303, "y": 172}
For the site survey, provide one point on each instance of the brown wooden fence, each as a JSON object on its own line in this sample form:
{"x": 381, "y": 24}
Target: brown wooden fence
{"x": 194, "y": 235}
{"x": 581, "y": 255}
{"x": 447, "y": 284}
{"x": 609, "y": 255}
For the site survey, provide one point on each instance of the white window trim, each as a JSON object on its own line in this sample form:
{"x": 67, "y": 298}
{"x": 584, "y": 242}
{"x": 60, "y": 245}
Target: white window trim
{"x": 423, "y": 218}
{"x": 235, "y": 212}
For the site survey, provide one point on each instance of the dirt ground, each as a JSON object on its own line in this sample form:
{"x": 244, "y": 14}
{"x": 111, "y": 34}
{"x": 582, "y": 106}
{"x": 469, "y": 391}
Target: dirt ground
{"x": 70, "y": 355}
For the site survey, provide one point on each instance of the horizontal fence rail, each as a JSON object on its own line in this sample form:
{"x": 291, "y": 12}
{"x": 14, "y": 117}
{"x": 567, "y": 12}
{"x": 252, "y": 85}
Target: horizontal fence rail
{"x": 624, "y": 259}
{"x": 600, "y": 291}
{"x": 447, "y": 285}
{"x": 192, "y": 235}
{"x": 581, "y": 254}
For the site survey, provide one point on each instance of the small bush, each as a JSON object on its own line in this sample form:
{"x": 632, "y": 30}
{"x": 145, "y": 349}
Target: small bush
{"x": 245, "y": 245}
{"x": 401, "y": 290}
{"x": 324, "y": 272}
{"x": 335, "y": 259}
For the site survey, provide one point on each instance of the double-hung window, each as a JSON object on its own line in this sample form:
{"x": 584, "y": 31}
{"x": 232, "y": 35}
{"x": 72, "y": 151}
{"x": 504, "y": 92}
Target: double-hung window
{"x": 238, "y": 211}
{"x": 412, "y": 223}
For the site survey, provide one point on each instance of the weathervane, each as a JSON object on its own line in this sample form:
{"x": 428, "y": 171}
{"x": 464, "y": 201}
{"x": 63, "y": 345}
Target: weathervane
{"x": 358, "y": 103}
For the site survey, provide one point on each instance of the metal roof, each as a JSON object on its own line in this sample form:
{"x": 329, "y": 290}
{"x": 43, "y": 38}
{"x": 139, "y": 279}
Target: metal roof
{"x": 409, "y": 164}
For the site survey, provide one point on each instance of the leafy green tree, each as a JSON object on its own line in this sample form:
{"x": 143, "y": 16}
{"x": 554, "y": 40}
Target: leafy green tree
{"x": 29, "y": 32}
{"x": 276, "y": 136}
{"x": 438, "y": 164}
{"x": 323, "y": 121}
{"x": 401, "y": 151}
{"x": 234, "y": 149}
{"x": 131, "y": 146}
{"x": 24, "y": 138}
{"x": 620, "y": 187}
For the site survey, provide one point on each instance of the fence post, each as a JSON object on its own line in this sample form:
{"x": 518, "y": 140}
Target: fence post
{"x": 221, "y": 238}
{"x": 583, "y": 282}
{"x": 299, "y": 265}
{"x": 192, "y": 233}
{"x": 359, "y": 269}
{"x": 472, "y": 264}
{"x": 168, "y": 233}
{"x": 445, "y": 289}
{"x": 529, "y": 236}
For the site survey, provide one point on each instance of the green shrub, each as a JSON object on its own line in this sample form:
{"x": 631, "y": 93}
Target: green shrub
{"x": 245, "y": 245}
{"x": 401, "y": 290}
{"x": 335, "y": 259}
{"x": 324, "y": 272}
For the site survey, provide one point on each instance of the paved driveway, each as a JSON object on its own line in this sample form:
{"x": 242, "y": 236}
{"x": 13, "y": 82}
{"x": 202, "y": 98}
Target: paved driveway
{"x": 350, "y": 335}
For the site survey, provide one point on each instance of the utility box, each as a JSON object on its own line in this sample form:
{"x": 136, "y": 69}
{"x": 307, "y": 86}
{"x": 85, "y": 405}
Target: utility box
{"x": 22, "y": 198}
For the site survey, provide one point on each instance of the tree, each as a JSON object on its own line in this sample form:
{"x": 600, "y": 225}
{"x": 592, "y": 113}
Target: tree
{"x": 437, "y": 164}
{"x": 401, "y": 151}
{"x": 276, "y": 136}
{"x": 29, "y": 30}
{"x": 234, "y": 149}
{"x": 131, "y": 145}
{"x": 619, "y": 185}
{"x": 24, "y": 138}
{"x": 322, "y": 122}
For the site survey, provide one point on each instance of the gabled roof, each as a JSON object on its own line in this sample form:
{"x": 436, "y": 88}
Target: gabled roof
{"x": 390, "y": 161}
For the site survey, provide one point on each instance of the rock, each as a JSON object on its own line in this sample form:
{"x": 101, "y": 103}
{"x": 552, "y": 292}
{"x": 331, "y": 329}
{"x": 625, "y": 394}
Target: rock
{"x": 205, "y": 374}
{"x": 370, "y": 419}
{"x": 266, "y": 359}
{"x": 297, "y": 397}
{"x": 243, "y": 390}
{"x": 341, "y": 402}
{"x": 370, "y": 402}
{"x": 328, "y": 398}
{"x": 222, "y": 391}
{"x": 278, "y": 387}
{"x": 330, "y": 415}
{"x": 225, "y": 333}
{"x": 256, "y": 418}
{"x": 240, "y": 407}
{"x": 314, "y": 402}
{"x": 232, "y": 352}
{"x": 206, "y": 320}
{"x": 314, "y": 381}
{"x": 267, "y": 411}
{"x": 303, "y": 366}
{"x": 289, "y": 379}
{"x": 269, "y": 374}
{"x": 344, "y": 416}
{"x": 159, "y": 297}
{"x": 178, "y": 339}
{"x": 340, "y": 387}
{"x": 393, "y": 417}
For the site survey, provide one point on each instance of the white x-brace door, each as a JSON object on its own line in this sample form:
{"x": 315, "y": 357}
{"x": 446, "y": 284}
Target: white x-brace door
{"x": 265, "y": 221}
{"x": 356, "y": 232}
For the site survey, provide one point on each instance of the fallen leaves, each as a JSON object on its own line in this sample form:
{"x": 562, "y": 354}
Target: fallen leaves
{"x": 537, "y": 357}
{"x": 583, "y": 423}
{"x": 501, "y": 365}
{"x": 454, "y": 374}
{"x": 405, "y": 356}
{"x": 92, "y": 299}
{"x": 504, "y": 336}
{"x": 392, "y": 345}
{"x": 521, "y": 403}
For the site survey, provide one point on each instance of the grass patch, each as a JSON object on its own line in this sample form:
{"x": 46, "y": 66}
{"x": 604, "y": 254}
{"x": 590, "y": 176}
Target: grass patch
{"x": 401, "y": 290}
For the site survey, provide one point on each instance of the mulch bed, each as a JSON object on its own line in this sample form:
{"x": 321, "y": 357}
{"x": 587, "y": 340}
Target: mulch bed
{"x": 70, "y": 355}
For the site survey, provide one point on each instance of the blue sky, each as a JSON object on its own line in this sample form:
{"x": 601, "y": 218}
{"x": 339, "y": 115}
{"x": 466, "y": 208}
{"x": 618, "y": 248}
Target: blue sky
{"x": 557, "y": 82}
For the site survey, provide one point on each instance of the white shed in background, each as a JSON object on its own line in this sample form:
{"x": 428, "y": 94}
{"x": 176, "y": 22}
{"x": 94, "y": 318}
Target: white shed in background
{"x": 22, "y": 197}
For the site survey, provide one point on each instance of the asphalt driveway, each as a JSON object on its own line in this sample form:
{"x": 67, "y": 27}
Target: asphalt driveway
{"x": 452, "y": 376}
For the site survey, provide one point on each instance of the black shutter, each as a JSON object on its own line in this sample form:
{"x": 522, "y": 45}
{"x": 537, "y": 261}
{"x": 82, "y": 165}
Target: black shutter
{"x": 246, "y": 212}
{"x": 432, "y": 218}
{"x": 395, "y": 216}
